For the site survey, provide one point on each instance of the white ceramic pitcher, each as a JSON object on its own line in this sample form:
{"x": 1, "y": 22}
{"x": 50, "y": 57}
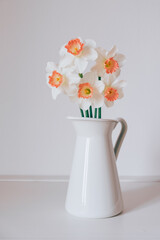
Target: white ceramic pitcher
{"x": 94, "y": 189}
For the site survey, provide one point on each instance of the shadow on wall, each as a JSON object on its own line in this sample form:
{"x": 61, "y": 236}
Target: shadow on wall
{"x": 141, "y": 197}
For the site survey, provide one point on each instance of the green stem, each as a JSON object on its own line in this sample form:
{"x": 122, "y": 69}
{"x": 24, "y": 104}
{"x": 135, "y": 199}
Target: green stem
{"x": 95, "y": 113}
{"x": 81, "y": 75}
{"x": 90, "y": 110}
{"x": 87, "y": 113}
{"x": 99, "y": 109}
{"x": 99, "y": 112}
{"x": 82, "y": 113}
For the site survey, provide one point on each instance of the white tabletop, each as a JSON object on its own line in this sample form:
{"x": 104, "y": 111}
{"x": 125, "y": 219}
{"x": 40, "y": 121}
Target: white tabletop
{"x": 35, "y": 210}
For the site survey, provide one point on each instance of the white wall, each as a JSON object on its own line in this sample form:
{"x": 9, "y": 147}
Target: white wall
{"x": 35, "y": 137}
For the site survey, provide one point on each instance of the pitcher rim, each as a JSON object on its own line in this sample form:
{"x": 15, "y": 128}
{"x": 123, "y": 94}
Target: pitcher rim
{"x": 91, "y": 119}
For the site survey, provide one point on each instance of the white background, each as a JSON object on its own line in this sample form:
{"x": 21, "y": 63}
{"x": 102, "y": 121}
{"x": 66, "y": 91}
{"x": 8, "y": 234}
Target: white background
{"x": 35, "y": 137}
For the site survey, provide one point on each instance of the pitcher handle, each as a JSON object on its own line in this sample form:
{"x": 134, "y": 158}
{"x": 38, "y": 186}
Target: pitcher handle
{"x": 121, "y": 136}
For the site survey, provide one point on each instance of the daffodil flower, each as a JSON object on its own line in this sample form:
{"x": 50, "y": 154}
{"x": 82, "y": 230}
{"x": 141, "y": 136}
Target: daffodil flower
{"x": 76, "y": 53}
{"x": 108, "y": 62}
{"x": 60, "y": 79}
{"x": 113, "y": 89}
{"x": 88, "y": 92}
{"x": 93, "y": 88}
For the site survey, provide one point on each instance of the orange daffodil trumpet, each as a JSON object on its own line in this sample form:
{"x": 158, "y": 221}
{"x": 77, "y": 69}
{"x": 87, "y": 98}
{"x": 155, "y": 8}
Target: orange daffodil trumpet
{"x": 75, "y": 47}
{"x": 95, "y": 88}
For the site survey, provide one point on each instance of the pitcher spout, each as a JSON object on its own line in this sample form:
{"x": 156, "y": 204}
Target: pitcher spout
{"x": 93, "y": 127}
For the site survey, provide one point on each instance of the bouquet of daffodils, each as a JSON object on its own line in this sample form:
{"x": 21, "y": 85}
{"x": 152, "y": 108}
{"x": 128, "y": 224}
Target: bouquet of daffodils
{"x": 90, "y": 90}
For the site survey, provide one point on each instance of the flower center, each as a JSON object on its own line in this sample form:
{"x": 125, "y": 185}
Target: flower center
{"x": 56, "y": 79}
{"x": 111, "y": 94}
{"x": 74, "y": 47}
{"x": 111, "y": 65}
{"x": 85, "y": 90}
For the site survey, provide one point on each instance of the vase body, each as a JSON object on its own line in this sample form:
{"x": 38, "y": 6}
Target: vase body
{"x": 94, "y": 189}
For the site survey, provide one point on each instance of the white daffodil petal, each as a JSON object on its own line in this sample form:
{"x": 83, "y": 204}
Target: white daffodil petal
{"x": 117, "y": 73}
{"x": 80, "y": 39}
{"x": 90, "y": 43}
{"x": 47, "y": 75}
{"x": 65, "y": 61}
{"x": 108, "y": 103}
{"x": 56, "y": 92}
{"x": 66, "y": 70}
{"x": 89, "y": 53}
{"x": 90, "y": 77}
{"x": 120, "y": 58}
{"x": 109, "y": 79}
{"x": 101, "y": 52}
{"x": 119, "y": 84}
{"x": 47, "y": 80}
{"x": 98, "y": 100}
{"x": 121, "y": 94}
{"x": 105, "y": 79}
{"x": 99, "y": 85}
{"x": 112, "y": 52}
{"x": 81, "y": 64}
{"x": 51, "y": 66}
{"x": 63, "y": 50}
{"x": 112, "y": 78}
{"x": 98, "y": 68}
{"x": 85, "y": 103}
{"x": 73, "y": 78}
{"x": 71, "y": 90}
